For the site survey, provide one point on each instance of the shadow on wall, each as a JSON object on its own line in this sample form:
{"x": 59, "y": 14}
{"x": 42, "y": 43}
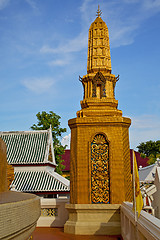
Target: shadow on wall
{"x": 53, "y": 212}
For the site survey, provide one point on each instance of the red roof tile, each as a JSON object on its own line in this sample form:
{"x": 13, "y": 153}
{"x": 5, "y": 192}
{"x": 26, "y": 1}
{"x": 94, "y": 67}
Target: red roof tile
{"x": 140, "y": 161}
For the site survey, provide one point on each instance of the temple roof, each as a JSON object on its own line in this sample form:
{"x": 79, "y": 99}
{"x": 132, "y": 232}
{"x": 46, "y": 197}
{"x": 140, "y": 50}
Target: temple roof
{"x": 147, "y": 174}
{"x": 29, "y": 147}
{"x": 141, "y": 162}
{"x": 39, "y": 181}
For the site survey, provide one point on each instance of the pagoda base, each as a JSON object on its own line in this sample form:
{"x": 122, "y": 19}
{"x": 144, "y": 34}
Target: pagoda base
{"x": 93, "y": 219}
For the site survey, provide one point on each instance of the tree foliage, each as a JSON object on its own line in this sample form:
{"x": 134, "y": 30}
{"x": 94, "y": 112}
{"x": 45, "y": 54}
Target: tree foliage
{"x": 151, "y": 149}
{"x": 44, "y": 121}
{"x": 152, "y": 158}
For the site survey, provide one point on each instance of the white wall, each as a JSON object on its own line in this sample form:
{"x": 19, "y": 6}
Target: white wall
{"x": 51, "y": 204}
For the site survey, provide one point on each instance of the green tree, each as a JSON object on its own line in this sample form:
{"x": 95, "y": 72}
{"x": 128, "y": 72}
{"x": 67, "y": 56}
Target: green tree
{"x": 150, "y": 149}
{"x": 44, "y": 121}
{"x": 143, "y": 155}
{"x": 152, "y": 158}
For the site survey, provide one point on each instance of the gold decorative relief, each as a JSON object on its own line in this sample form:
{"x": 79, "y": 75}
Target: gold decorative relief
{"x": 49, "y": 212}
{"x": 100, "y": 170}
{"x": 98, "y": 37}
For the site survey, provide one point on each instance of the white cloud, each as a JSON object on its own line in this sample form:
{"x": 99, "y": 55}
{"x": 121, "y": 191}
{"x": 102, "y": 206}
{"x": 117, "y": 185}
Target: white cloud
{"x": 144, "y": 128}
{"x": 32, "y": 4}
{"x": 122, "y": 36}
{"x": 130, "y": 1}
{"x": 151, "y": 4}
{"x": 66, "y": 141}
{"x": 122, "y": 26}
{"x": 74, "y": 45}
{"x": 146, "y": 122}
{"x": 4, "y": 3}
{"x": 38, "y": 85}
{"x": 65, "y": 53}
{"x": 58, "y": 62}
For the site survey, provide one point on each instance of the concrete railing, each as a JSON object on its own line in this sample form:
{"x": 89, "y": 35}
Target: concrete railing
{"x": 147, "y": 226}
{"x": 53, "y": 212}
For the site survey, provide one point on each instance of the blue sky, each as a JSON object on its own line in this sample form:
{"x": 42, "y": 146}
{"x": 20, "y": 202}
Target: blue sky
{"x": 43, "y": 50}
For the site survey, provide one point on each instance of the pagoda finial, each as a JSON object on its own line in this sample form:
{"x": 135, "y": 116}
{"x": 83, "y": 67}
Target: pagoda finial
{"x": 99, "y": 12}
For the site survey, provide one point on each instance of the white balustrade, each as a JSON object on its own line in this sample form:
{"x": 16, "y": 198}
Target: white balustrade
{"x": 53, "y": 212}
{"x": 147, "y": 227}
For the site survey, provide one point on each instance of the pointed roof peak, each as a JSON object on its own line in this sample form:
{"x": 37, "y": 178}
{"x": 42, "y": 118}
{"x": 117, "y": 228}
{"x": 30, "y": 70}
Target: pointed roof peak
{"x": 99, "y": 12}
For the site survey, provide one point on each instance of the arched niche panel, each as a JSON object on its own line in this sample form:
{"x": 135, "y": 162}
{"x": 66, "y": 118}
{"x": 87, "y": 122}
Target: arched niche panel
{"x": 98, "y": 85}
{"x": 100, "y": 177}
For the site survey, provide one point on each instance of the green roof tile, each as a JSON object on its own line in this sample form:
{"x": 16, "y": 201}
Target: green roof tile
{"x": 37, "y": 181}
{"x": 26, "y": 147}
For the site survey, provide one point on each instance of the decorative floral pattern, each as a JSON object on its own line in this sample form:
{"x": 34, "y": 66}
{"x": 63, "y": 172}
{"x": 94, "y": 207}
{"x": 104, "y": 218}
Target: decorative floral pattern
{"x": 49, "y": 212}
{"x": 100, "y": 183}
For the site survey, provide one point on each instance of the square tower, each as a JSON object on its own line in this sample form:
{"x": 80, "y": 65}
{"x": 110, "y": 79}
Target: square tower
{"x": 100, "y": 157}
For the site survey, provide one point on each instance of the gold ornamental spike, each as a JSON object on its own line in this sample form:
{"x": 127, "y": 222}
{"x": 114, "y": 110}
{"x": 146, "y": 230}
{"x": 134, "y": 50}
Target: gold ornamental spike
{"x": 99, "y": 12}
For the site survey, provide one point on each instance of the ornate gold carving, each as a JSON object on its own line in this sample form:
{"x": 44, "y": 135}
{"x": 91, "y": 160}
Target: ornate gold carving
{"x": 100, "y": 170}
{"x": 98, "y": 37}
{"x": 49, "y": 212}
{"x": 99, "y": 79}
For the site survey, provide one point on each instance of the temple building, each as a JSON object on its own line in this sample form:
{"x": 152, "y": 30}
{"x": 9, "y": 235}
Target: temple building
{"x": 100, "y": 171}
{"x": 31, "y": 154}
{"x": 19, "y": 211}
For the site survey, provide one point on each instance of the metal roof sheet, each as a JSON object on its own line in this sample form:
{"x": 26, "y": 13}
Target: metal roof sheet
{"x": 38, "y": 181}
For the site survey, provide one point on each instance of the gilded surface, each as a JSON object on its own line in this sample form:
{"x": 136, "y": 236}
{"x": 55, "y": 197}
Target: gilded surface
{"x": 98, "y": 47}
{"x": 99, "y": 170}
{"x": 49, "y": 212}
{"x": 99, "y": 79}
{"x": 107, "y": 183}
{"x": 10, "y": 175}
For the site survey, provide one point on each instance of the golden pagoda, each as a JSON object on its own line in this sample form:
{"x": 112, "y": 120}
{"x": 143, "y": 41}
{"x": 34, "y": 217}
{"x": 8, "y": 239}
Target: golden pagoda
{"x": 100, "y": 155}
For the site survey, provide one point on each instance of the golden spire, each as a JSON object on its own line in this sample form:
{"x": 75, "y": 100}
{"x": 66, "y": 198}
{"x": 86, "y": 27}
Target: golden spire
{"x": 99, "y": 58}
{"x": 99, "y": 12}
